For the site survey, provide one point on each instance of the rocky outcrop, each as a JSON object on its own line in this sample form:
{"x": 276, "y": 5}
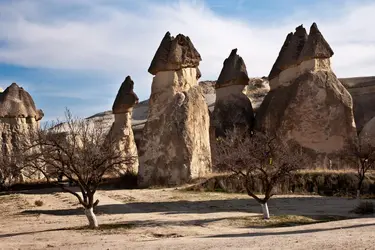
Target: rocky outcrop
{"x": 256, "y": 90}
{"x": 175, "y": 146}
{"x": 362, "y": 90}
{"x": 294, "y": 49}
{"x": 316, "y": 47}
{"x": 309, "y": 106}
{"x": 121, "y": 132}
{"x": 232, "y": 107}
{"x": 285, "y": 68}
{"x": 367, "y": 137}
{"x": 19, "y": 117}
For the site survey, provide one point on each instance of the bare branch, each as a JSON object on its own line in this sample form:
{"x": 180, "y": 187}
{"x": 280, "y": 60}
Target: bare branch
{"x": 259, "y": 156}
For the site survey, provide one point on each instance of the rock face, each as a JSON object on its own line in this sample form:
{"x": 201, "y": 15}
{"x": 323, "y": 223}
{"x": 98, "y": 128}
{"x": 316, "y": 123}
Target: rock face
{"x": 18, "y": 117}
{"x": 367, "y": 136}
{"x": 121, "y": 129}
{"x": 308, "y": 105}
{"x": 362, "y": 90}
{"x": 175, "y": 146}
{"x": 256, "y": 90}
{"x": 174, "y": 54}
{"x": 232, "y": 107}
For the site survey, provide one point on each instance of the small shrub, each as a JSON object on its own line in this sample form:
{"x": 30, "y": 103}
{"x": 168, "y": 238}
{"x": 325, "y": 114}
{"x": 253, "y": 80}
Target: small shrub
{"x": 363, "y": 208}
{"x": 38, "y": 203}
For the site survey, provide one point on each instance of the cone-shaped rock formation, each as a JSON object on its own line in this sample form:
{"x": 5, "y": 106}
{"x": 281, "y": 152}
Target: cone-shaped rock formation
{"x": 233, "y": 72}
{"x": 15, "y": 102}
{"x": 232, "y": 107}
{"x": 316, "y": 46}
{"x": 310, "y": 106}
{"x": 19, "y": 117}
{"x": 121, "y": 132}
{"x": 126, "y": 98}
{"x": 276, "y": 68}
{"x": 174, "y": 54}
{"x": 175, "y": 146}
{"x": 294, "y": 48}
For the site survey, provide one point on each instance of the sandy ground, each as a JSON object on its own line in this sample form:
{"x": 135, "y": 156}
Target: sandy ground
{"x": 172, "y": 219}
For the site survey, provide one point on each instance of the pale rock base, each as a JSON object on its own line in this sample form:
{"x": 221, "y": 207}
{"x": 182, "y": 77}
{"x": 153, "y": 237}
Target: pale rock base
{"x": 175, "y": 147}
{"x": 124, "y": 140}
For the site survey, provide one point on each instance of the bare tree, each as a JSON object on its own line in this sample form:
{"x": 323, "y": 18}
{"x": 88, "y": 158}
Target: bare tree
{"x": 364, "y": 159}
{"x": 256, "y": 156}
{"x": 10, "y": 169}
{"x": 11, "y": 163}
{"x": 81, "y": 152}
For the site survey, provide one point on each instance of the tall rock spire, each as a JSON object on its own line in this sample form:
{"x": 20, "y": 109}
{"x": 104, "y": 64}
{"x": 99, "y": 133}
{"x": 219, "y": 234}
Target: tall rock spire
{"x": 316, "y": 46}
{"x": 294, "y": 49}
{"x": 121, "y": 133}
{"x": 126, "y": 98}
{"x": 276, "y": 68}
{"x": 176, "y": 134}
{"x": 174, "y": 54}
{"x": 234, "y": 71}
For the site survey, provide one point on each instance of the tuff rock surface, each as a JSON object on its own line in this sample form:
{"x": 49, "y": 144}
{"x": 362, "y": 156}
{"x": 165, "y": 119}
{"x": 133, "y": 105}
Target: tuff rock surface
{"x": 284, "y": 68}
{"x": 362, "y": 90}
{"x": 312, "y": 108}
{"x": 121, "y": 131}
{"x": 294, "y": 48}
{"x": 232, "y": 107}
{"x": 315, "y": 47}
{"x": 277, "y": 66}
{"x": 126, "y": 99}
{"x": 175, "y": 146}
{"x": 19, "y": 117}
{"x": 175, "y": 53}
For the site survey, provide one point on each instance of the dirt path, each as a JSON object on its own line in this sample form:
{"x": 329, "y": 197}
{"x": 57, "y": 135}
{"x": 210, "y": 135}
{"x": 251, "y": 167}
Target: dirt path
{"x": 171, "y": 219}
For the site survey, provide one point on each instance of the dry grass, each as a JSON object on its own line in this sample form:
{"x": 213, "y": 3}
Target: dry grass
{"x": 328, "y": 171}
{"x": 280, "y": 221}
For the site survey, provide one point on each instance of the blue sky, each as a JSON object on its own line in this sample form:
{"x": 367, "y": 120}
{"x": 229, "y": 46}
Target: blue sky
{"x": 76, "y": 53}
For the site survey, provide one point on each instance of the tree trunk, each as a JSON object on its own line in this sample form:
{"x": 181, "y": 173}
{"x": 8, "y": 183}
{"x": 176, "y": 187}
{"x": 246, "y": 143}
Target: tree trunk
{"x": 266, "y": 213}
{"x": 358, "y": 194}
{"x": 93, "y": 222}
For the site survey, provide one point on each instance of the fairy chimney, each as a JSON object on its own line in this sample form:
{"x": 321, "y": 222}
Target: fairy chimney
{"x": 121, "y": 130}
{"x": 232, "y": 107}
{"x": 309, "y": 105}
{"x": 175, "y": 146}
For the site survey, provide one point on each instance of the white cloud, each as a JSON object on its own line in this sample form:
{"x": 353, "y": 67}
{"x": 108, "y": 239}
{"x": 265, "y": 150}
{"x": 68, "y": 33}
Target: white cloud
{"x": 118, "y": 41}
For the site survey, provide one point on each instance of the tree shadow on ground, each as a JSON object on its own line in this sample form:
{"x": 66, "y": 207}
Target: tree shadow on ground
{"x": 125, "y": 225}
{"x": 304, "y": 206}
{"x": 291, "y": 232}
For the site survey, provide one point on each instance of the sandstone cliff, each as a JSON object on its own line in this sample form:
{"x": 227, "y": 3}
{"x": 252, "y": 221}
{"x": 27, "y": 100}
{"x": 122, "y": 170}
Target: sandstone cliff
{"x": 175, "y": 145}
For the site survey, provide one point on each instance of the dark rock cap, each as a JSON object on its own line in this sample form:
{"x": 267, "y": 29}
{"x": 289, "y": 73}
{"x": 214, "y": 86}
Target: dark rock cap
{"x": 174, "y": 54}
{"x": 234, "y": 71}
{"x": 126, "y": 98}
{"x": 294, "y": 49}
{"x": 276, "y": 68}
{"x": 15, "y": 102}
{"x": 316, "y": 46}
